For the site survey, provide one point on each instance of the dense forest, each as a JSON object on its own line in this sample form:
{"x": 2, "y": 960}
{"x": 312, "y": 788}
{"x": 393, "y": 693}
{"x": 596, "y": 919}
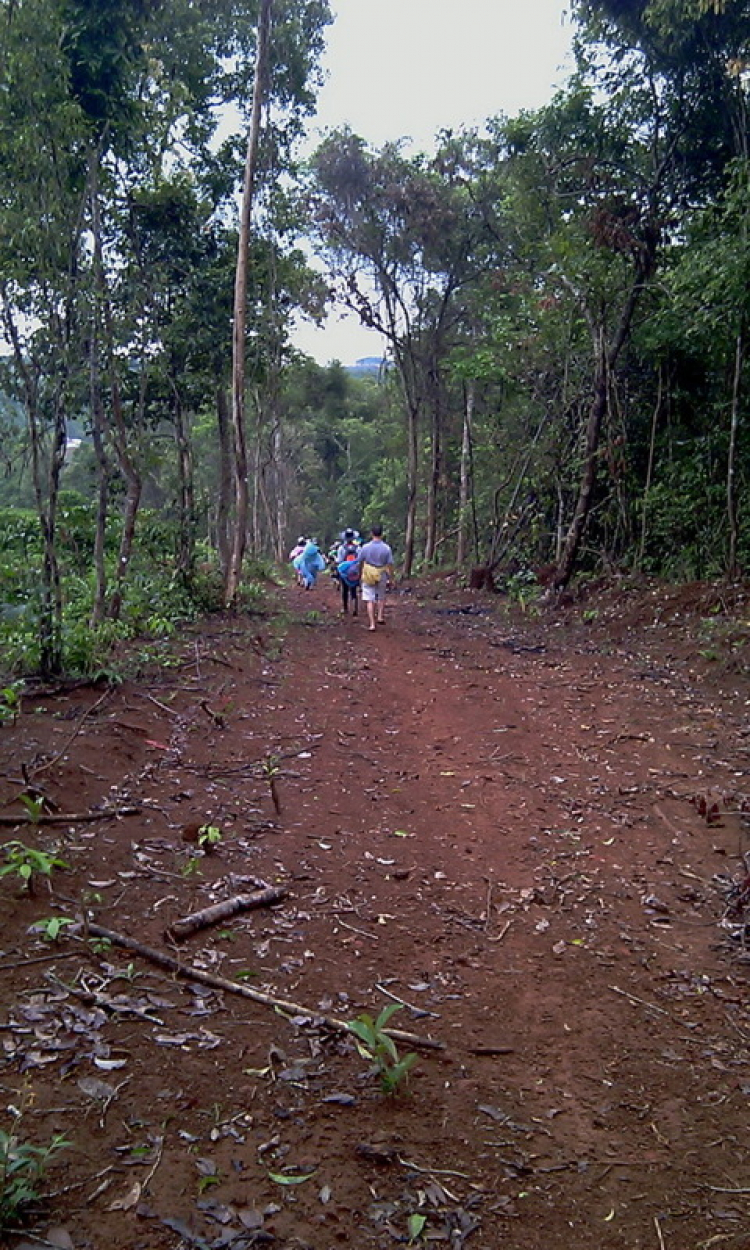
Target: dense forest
{"x": 563, "y": 295}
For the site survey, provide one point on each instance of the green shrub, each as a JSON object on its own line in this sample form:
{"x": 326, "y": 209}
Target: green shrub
{"x": 22, "y": 1169}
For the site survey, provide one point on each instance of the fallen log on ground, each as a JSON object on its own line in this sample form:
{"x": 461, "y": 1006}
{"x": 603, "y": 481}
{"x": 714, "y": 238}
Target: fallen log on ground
{"x": 188, "y": 973}
{"x": 186, "y": 925}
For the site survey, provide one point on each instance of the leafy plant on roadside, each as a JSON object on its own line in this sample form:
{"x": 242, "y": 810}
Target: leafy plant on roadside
{"x": 375, "y": 1044}
{"x": 22, "y": 1169}
{"x": 209, "y": 836}
{"x": 271, "y": 767}
{"x": 34, "y": 807}
{"x": 191, "y": 867}
{"x": 27, "y": 863}
{"x": 51, "y": 927}
{"x": 10, "y": 701}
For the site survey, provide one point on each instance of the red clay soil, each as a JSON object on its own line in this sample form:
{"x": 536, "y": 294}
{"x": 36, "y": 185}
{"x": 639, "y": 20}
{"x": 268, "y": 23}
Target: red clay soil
{"x": 528, "y": 829}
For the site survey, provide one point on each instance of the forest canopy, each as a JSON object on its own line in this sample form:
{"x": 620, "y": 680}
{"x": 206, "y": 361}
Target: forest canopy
{"x": 562, "y": 295}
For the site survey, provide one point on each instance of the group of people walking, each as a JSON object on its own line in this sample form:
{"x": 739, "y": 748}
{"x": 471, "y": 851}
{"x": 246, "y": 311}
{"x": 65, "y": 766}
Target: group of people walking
{"x": 355, "y": 565}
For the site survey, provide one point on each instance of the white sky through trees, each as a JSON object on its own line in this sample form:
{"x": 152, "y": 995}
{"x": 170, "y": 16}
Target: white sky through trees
{"x": 410, "y": 68}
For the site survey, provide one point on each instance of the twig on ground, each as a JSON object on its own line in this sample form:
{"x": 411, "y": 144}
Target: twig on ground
{"x": 98, "y": 999}
{"x": 641, "y": 1001}
{"x": 163, "y": 960}
{"x": 108, "y": 1102}
{"x": 34, "y": 772}
{"x": 659, "y": 1233}
{"x": 407, "y": 1163}
{"x": 499, "y": 936}
{"x": 68, "y": 818}
{"x": 418, "y": 1011}
{"x": 222, "y": 911}
{"x": 361, "y": 932}
{"x": 720, "y": 1189}
{"x": 51, "y": 957}
{"x": 66, "y": 1189}
{"x": 216, "y": 718}
{"x": 164, "y": 707}
{"x": 155, "y": 1164}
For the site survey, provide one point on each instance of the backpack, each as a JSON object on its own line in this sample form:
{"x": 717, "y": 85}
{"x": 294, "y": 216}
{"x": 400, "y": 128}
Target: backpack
{"x": 348, "y": 571}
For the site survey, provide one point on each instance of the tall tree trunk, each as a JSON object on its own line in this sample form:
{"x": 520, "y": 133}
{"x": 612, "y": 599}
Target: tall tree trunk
{"x": 605, "y": 359}
{"x": 46, "y": 490}
{"x": 239, "y": 536}
{"x": 739, "y": 352}
{"x": 102, "y": 478}
{"x": 597, "y": 410}
{"x": 279, "y": 542}
{"x": 98, "y": 423}
{"x": 255, "y": 525}
{"x": 465, "y": 474}
{"x": 186, "y": 538}
{"x": 436, "y": 463}
{"x": 412, "y": 467}
{"x": 118, "y": 432}
{"x": 224, "y": 491}
{"x": 649, "y": 472}
{"x": 433, "y": 484}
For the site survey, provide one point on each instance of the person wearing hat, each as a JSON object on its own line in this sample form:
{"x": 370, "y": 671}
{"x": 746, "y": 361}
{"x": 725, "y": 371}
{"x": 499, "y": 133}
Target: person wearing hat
{"x": 295, "y": 555}
{"x": 347, "y": 571}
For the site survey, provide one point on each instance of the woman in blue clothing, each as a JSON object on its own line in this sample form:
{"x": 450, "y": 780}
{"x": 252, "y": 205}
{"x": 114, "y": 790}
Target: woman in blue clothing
{"x": 311, "y": 563}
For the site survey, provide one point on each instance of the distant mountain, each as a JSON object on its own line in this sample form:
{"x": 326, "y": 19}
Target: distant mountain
{"x": 366, "y": 364}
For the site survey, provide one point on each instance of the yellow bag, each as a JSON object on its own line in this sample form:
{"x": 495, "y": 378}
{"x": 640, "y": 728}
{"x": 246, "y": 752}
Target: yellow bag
{"x": 371, "y": 575}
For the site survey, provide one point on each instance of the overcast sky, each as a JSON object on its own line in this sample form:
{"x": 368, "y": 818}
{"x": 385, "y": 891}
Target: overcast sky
{"x": 409, "y": 68}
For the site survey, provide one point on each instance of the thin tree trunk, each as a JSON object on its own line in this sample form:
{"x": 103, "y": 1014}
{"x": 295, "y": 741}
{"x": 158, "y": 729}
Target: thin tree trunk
{"x": 119, "y": 432}
{"x": 98, "y": 424}
{"x": 102, "y": 480}
{"x": 597, "y": 410}
{"x": 255, "y": 527}
{"x": 433, "y": 484}
{"x": 649, "y": 473}
{"x": 279, "y": 539}
{"x": 732, "y": 567}
{"x": 412, "y": 465}
{"x": 45, "y": 494}
{"x": 186, "y": 540}
{"x": 223, "y": 507}
{"x": 465, "y": 474}
{"x": 239, "y": 537}
{"x": 605, "y": 359}
{"x": 132, "y": 476}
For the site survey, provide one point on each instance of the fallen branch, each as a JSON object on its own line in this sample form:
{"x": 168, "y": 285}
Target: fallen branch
{"x": 34, "y": 772}
{"x": 163, "y": 960}
{"x": 221, "y": 911}
{"x": 68, "y": 818}
{"x": 215, "y": 717}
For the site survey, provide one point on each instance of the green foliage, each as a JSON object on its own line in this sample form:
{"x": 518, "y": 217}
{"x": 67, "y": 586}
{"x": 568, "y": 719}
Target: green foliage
{"x": 10, "y": 701}
{"x": 415, "y": 1226}
{"x": 34, "y": 807}
{"x": 52, "y": 927}
{"x": 27, "y": 862}
{"x": 376, "y": 1045}
{"x": 209, "y": 837}
{"x": 22, "y": 1170}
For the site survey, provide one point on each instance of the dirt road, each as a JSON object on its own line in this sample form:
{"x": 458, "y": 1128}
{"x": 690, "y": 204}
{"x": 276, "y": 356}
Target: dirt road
{"x": 502, "y": 821}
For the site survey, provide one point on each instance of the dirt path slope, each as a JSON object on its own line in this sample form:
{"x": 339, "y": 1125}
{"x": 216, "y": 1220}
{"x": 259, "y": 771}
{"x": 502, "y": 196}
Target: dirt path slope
{"x": 507, "y": 823}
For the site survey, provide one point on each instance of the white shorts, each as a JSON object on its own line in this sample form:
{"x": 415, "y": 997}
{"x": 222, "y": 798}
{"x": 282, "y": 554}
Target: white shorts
{"x": 372, "y": 594}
